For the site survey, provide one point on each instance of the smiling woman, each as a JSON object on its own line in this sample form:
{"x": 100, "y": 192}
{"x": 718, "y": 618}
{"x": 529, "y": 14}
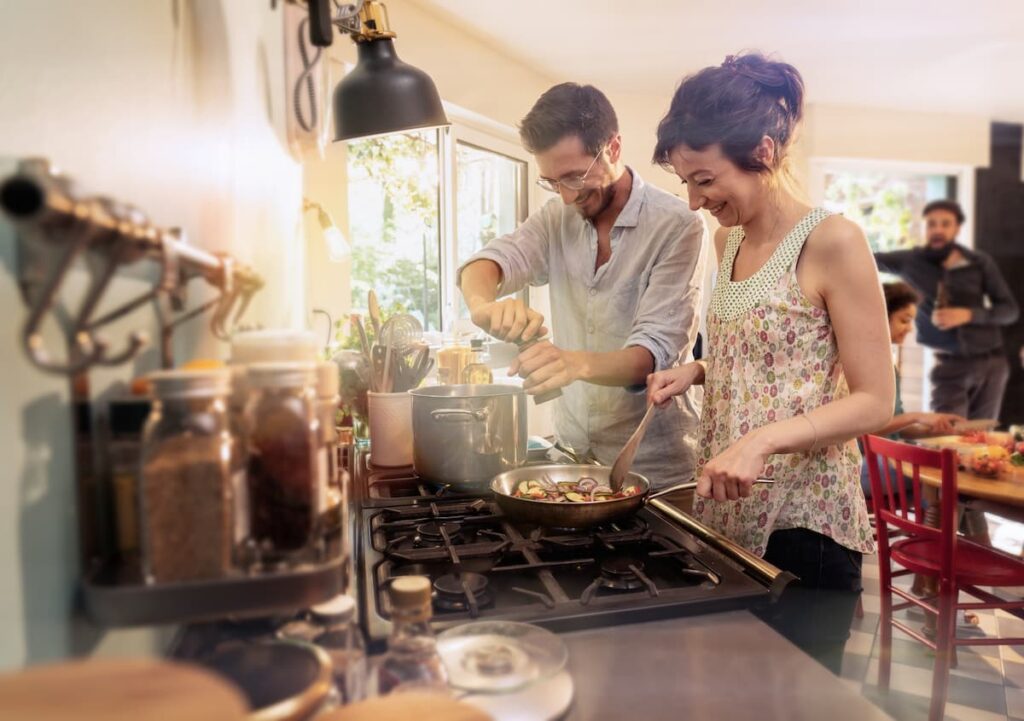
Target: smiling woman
{"x": 796, "y": 305}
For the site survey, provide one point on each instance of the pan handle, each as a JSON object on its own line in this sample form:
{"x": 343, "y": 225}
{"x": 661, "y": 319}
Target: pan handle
{"x": 690, "y": 486}
{"x": 458, "y": 415}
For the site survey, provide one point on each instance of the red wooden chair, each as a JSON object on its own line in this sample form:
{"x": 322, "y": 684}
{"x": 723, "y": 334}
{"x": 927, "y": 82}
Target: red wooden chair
{"x": 960, "y": 565}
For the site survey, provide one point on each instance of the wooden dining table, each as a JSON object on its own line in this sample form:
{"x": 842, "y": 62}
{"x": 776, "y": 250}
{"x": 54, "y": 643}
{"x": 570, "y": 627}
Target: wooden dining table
{"x": 1003, "y": 496}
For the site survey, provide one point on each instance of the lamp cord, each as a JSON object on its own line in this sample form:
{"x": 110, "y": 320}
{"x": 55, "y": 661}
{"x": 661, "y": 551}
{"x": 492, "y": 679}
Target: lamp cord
{"x": 306, "y": 82}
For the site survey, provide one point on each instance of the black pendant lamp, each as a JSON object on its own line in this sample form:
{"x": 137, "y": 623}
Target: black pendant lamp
{"x": 382, "y": 94}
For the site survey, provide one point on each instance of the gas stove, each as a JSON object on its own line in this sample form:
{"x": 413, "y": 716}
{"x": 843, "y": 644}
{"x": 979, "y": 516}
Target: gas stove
{"x": 484, "y": 565}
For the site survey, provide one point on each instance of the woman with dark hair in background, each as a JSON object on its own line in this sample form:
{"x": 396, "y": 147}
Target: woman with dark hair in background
{"x": 797, "y": 304}
{"x": 901, "y": 303}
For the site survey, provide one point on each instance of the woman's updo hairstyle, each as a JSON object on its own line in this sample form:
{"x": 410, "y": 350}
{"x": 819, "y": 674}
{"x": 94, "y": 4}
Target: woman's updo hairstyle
{"x": 735, "y": 105}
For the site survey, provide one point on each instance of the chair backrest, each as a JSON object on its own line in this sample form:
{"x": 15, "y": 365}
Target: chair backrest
{"x": 896, "y": 491}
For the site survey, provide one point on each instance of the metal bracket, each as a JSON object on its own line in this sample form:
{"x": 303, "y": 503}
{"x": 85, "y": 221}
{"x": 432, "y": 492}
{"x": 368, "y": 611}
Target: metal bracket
{"x": 107, "y": 236}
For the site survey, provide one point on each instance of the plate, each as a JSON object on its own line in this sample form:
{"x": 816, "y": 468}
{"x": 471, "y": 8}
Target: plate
{"x": 500, "y": 656}
{"x": 543, "y": 701}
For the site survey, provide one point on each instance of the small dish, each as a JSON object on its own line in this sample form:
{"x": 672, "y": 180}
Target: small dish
{"x": 500, "y": 656}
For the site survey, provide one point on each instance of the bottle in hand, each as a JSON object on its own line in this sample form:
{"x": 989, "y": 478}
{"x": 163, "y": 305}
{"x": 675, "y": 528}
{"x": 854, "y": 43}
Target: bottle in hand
{"x": 411, "y": 662}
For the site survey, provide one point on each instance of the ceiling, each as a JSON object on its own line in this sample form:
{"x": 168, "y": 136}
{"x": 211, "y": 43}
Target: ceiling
{"x": 929, "y": 55}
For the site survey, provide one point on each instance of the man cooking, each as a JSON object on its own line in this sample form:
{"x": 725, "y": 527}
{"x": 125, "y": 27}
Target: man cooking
{"x": 623, "y": 260}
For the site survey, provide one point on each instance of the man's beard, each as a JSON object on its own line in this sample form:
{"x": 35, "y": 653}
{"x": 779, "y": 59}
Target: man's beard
{"x": 607, "y": 195}
{"x": 938, "y": 254}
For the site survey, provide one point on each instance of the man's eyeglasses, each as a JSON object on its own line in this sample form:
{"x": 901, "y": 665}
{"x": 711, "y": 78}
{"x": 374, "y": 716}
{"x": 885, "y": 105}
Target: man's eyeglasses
{"x": 573, "y": 182}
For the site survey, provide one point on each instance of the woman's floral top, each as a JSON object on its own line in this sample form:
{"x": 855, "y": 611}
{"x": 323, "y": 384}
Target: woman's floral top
{"x": 772, "y": 355}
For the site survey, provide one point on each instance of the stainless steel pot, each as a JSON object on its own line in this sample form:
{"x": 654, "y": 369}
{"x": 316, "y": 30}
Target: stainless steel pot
{"x": 467, "y": 434}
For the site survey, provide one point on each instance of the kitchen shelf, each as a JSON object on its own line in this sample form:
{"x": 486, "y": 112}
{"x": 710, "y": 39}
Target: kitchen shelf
{"x": 113, "y": 595}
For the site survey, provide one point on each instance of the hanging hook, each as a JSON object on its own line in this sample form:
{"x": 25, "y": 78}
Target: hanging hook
{"x": 83, "y": 350}
{"x": 229, "y": 294}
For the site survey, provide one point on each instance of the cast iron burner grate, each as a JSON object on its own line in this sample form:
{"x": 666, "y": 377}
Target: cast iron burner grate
{"x": 621, "y": 572}
{"x": 463, "y": 591}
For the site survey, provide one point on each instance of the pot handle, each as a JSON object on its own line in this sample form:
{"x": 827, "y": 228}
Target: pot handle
{"x": 690, "y": 486}
{"x": 458, "y": 415}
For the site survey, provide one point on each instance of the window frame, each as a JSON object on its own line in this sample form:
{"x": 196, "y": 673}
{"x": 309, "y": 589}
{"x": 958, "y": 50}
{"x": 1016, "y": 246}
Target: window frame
{"x": 964, "y": 174}
{"x": 485, "y": 134}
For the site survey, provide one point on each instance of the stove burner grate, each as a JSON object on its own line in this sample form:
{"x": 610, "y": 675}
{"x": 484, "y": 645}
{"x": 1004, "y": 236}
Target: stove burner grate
{"x": 463, "y": 591}
{"x": 620, "y": 572}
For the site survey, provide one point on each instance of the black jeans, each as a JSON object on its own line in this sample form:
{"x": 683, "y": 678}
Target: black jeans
{"x": 970, "y": 387}
{"x": 816, "y": 611}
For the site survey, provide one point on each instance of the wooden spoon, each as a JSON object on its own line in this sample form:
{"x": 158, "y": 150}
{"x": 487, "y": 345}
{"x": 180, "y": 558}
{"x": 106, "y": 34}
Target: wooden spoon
{"x": 624, "y": 461}
{"x": 375, "y": 317}
{"x": 364, "y": 344}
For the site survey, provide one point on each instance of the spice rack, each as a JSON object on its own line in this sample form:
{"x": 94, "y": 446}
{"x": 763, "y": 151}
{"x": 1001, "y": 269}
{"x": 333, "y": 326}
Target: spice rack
{"x": 57, "y": 229}
{"x": 113, "y": 594}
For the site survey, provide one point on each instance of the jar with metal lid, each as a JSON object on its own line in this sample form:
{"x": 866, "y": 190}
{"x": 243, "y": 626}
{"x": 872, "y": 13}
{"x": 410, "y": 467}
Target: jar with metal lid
{"x": 186, "y": 501}
{"x": 240, "y": 462}
{"x": 283, "y": 437}
{"x": 477, "y": 371}
{"x": 342, "y": 639}
{"x": 328, "y": 387}
{"x": 452, "y": 357}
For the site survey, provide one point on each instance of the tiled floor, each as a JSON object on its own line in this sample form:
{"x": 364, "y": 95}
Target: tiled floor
{"x": 987, "y": 685}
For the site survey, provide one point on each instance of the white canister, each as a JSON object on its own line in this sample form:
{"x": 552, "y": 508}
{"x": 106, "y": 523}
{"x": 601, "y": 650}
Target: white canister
{"x": 390, "y": 429}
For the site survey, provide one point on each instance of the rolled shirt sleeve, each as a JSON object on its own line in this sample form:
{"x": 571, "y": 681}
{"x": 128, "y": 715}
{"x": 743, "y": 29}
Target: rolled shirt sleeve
{"x": 523, "y": 255}
{"x": 667, "y": 317}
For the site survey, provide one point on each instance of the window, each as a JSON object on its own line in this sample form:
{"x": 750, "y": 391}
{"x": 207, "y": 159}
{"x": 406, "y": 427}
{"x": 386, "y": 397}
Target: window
{"x": 887, "y": 205}
{"x": 394, "y": 229}
{"x": 490, "y": 200}
{"x": 886, "y": 200}
{"x": 419, "y": 205}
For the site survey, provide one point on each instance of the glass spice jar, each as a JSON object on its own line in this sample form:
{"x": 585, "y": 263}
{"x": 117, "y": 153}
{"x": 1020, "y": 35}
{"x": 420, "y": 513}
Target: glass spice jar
{"x": 240, "y": 462}
{"x": 283, "y": 438}
{"x": 328, "y": 385}
{"x": 185, "y": 498}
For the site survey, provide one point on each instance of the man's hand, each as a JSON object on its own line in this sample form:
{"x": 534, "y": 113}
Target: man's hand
{"x": 949, "y": 318}
{"x": 509, "y": 319}
{"x": 545, "y": 367}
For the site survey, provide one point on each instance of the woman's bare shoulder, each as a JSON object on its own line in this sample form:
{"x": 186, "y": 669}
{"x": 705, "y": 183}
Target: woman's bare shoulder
{"x": 837, "y": 235}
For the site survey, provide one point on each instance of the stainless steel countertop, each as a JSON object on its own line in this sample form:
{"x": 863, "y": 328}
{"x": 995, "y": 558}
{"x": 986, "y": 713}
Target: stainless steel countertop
{"x": 728, "y": 666}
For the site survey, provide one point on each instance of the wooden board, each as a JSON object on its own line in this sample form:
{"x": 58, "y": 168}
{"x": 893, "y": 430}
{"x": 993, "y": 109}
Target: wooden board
{"x": 119, "y": 690}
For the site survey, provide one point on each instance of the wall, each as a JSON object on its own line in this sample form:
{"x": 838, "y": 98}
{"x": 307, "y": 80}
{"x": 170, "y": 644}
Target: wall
{"x": 167, "y": 104}
{"x": 848, "y": 132}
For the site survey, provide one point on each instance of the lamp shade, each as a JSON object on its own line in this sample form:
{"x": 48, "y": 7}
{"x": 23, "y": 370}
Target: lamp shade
{"x": 384, "y": 95}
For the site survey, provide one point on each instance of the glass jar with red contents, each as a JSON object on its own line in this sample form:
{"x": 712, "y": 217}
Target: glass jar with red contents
{"x": 283, "y": 439}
